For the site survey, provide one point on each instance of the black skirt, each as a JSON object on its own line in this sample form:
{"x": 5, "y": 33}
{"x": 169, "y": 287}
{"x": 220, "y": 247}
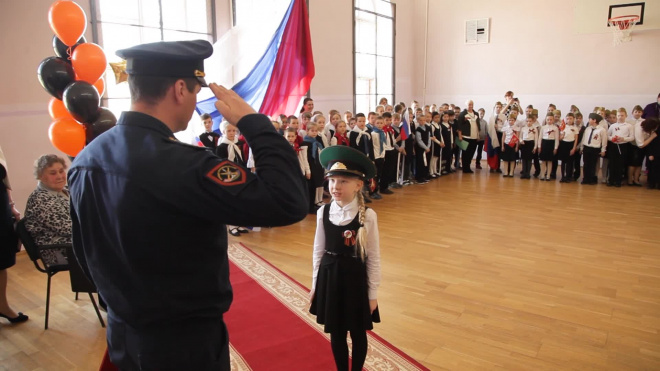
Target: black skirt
{"x": 547, "y": 150}
{"x": 635, "y": 156}
{"x": 564, "y": 152}
{"x": 509, "y": 154}
{"x": 8, "y": 236}
{"x": 436, "y": 150}
{"x": 341, "y": 295}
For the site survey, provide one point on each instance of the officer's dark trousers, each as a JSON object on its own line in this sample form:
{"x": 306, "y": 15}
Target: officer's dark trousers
{"x": 186, "y": 345}
{"x": 468, "y": 154}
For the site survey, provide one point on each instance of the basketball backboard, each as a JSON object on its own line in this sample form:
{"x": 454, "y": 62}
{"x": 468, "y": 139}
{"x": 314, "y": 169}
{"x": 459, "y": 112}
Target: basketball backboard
{"x": 590, "y": 16}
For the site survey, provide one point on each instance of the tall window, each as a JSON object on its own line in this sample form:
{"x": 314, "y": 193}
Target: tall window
{"x": 120, "y": 24}
{"x": 373, "y": 53}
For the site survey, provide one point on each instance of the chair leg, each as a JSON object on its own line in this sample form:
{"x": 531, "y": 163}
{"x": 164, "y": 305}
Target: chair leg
{"x": 76, "y": 296}
{"x": 96, "y": 308}
{"x": 47, "y": 302}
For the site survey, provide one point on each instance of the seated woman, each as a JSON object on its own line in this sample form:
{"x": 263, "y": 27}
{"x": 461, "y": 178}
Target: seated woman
{"x": 47, "y": 210}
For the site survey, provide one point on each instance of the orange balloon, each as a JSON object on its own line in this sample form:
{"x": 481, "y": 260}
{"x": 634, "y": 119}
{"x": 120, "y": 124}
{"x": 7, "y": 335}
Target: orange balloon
{"x": 57, "y": 110}
{"x": 100, "y": 86}
{"x": 67, "y": 135}
{"x": 89, "y": 63}
{"x": 67, "y": 20}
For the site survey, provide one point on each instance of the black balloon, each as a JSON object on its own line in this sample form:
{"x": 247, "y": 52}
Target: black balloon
{"x": 82, "y": 100}
{"x": 105, "y": 121}
{"x": 61, "y": 49}
{"x": 54, "y": 75}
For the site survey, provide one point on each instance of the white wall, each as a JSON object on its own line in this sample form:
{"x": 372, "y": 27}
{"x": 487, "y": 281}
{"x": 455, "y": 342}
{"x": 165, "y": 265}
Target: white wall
{"x": 331, "y": 29}
{"x": 535, "y": 52}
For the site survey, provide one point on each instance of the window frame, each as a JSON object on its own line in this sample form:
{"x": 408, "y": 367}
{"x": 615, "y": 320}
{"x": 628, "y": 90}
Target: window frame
{"x": 376, "y": 55}
{"x": 96, "y": 25}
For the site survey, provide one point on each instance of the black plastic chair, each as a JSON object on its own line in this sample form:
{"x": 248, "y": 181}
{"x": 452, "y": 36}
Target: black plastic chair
{"x": 35, "y": 253}
{"x": 80, "y": 282}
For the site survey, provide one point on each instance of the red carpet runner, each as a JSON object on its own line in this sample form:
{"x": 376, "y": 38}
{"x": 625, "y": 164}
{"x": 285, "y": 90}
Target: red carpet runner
{"x": 270, "y": 327}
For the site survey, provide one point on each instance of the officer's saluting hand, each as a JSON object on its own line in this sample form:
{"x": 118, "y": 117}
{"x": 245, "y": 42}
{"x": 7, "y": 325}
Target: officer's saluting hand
{"x": 229, "y": 104}
{"x": 149, "y": 212}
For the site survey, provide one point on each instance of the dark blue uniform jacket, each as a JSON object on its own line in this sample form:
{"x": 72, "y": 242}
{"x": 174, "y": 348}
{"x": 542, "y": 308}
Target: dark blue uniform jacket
{"x": 149, "y": 215}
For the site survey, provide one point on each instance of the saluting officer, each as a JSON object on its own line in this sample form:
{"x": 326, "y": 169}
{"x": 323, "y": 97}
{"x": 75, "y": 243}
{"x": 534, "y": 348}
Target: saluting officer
{"x": 149, "y": 212}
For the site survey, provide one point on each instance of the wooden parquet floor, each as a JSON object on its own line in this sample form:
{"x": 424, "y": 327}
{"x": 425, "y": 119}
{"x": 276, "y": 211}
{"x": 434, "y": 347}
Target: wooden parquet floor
{"x": 479, "y": 272}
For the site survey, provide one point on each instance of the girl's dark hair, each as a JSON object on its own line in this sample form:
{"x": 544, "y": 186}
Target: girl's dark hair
{"x": 304, "y": 103}
{"x": 436, "y": 113}
{"x": 650, "y": 125}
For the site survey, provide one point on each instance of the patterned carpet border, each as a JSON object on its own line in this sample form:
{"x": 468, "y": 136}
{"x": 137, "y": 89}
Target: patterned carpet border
{"x": 381, "y": 355}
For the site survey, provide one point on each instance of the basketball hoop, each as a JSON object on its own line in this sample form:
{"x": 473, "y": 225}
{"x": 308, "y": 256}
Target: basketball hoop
{"x": 622, "y": 27}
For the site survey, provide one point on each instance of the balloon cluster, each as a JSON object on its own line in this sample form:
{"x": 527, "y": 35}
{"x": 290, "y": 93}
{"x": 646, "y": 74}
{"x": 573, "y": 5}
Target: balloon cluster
{"x": 74, "y": 78}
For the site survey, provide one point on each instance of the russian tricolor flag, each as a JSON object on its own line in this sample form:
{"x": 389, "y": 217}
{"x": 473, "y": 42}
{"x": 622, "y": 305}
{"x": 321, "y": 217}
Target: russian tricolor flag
{"x": 405, "y": 127}
{"x": 283, "y": 75}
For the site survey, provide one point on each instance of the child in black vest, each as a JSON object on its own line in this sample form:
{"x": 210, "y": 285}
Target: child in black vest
{"x": 209, "y": 139}
{"x": 346, "y": 258}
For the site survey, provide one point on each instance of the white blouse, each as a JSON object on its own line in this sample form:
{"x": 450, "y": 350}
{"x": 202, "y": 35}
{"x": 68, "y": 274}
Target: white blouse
{"x": 621, "y": 130}
{"x": 508, "y": 131}
{"x": 343, "y": 216}
{"x": 570, "y": 133}
{"x": 529, "y": 133}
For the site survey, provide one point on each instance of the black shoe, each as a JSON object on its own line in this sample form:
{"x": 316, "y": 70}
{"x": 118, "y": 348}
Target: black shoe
{"x": 636, "y": 184}
{"x": 367, "y": 200}
{"x": 234, "y": 232}
{"x": 375, "y": 196}
{"x": 386, "y": 191}
{"x": 478, "y": 166}
{"x": 468, "y": 171}
{"x": 499, "y": 171}
{"x": 245, "y": 230}
{"x": 396, "y": 185}
{"x": 618, "y": 185}
{"x": 536, "y": 175}
{"x": 18, "y": 319}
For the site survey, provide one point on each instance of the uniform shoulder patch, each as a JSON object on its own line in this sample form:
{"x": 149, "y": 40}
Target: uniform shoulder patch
{"x": 227, "y": 174}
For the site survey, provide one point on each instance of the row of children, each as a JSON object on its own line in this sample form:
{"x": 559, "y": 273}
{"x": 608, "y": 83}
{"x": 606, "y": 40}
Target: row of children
{"x": 414, "y": 145}
{"x": 609, "y": 141}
